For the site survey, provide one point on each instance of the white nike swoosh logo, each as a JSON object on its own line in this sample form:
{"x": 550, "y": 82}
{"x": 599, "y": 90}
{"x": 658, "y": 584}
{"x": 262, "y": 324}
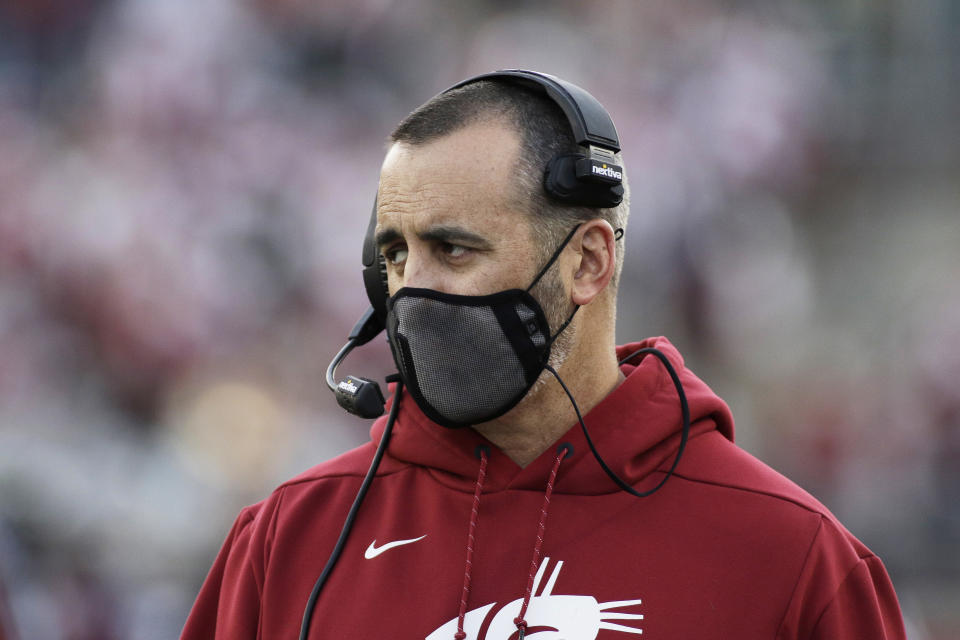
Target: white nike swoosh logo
{"x": 373, "y": 550}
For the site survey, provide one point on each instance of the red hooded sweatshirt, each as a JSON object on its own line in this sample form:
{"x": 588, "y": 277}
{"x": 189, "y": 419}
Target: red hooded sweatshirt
{"x": 727, "y": 548}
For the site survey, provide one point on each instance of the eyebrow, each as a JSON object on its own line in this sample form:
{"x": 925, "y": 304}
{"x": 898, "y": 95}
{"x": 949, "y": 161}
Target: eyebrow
{"x": 437, "y": 233}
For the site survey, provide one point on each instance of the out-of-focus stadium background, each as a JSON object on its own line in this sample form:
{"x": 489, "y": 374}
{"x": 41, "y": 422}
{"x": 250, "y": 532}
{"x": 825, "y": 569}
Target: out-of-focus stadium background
{"x": 183, "y": 189}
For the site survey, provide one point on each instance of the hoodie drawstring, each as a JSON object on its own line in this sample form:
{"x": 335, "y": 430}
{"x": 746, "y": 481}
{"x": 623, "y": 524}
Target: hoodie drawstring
{"x": 482, "y": 452}
{"x": 520, "y": 620}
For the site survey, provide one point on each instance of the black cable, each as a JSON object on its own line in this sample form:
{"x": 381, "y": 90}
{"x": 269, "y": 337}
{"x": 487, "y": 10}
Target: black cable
{"x": 337, "y": 359}
{"x": 348, "y": 524}
{"x": 684, "y": 410}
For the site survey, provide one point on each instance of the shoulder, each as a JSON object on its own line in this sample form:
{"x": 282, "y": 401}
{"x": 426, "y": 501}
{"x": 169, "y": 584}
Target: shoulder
{"x": 300, "y": 516}
{"x": 839, "y": 587}
{"x": 744, "y": 487}
{"x": 713, "y": 461}
{"x": 322, "y": 487}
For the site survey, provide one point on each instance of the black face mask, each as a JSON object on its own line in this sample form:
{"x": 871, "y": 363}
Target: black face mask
{"x": 470, "y": 359}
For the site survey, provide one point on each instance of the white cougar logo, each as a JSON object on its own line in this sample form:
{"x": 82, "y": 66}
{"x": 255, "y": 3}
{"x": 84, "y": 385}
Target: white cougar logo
{"x": 548, "y": 616}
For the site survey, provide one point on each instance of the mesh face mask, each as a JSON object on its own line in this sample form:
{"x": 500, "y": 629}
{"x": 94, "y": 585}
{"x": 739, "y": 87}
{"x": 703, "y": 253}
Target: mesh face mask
{"x": 470, "y": 359}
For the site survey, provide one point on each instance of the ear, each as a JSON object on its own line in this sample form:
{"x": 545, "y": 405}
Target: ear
{"x": 595, "y": 243}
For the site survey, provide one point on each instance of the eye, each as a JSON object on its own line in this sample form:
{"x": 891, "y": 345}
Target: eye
{"x": 454, "y": 250}
{"x": 396, "y": 255}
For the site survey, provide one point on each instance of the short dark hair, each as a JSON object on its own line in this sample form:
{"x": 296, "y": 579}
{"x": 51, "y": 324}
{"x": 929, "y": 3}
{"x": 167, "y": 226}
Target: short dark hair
{"x": 544, "y": 132}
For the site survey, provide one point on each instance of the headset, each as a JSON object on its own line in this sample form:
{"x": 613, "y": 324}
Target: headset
{"x": 590, "y": 178}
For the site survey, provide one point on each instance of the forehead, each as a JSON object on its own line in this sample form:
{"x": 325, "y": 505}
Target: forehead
{"x": 467, "y": 178}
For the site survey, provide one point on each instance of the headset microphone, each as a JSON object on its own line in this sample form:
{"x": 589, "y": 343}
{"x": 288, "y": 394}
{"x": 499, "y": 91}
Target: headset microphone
{"x": 360, "y": 396}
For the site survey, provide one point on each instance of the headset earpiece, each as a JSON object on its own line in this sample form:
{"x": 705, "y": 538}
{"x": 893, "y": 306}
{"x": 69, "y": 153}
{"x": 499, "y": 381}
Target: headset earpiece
{"x": 565, "y": 180}
{"x": 375, "y": 273}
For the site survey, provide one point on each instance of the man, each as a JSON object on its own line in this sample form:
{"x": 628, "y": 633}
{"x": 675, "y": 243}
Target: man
{"x": 511, "y": 527}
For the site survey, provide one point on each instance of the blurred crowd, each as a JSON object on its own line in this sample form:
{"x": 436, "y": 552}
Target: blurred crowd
{"x": 184, "y": 186}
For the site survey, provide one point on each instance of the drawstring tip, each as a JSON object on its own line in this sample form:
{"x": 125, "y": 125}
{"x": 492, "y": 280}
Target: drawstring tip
{"x": 521, "y": 627}
{"x": 459, "y": 635}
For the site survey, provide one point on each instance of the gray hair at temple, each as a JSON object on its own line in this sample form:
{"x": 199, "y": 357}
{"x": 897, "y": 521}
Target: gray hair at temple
{"x": 544, "y": 133}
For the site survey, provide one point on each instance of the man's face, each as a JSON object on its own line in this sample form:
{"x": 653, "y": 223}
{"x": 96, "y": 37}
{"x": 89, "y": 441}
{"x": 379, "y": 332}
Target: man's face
{"x": 448, "y": 217}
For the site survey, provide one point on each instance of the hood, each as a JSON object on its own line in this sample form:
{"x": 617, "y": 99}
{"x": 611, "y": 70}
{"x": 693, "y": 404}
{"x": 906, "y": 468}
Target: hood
{"x": 636, "y": 429}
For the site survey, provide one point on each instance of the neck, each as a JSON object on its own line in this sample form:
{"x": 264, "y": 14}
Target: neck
{"x": 546, "y": 413}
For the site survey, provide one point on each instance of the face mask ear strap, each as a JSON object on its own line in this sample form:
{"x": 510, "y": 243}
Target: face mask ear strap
{"x": 553, "y": 258}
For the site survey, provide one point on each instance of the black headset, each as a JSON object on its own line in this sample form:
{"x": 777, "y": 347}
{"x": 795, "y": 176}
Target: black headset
{"x": 590, "y": 178}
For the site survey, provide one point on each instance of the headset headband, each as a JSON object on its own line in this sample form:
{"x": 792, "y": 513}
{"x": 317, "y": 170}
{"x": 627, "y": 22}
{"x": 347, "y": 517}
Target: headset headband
{"x": 590, "y": 122}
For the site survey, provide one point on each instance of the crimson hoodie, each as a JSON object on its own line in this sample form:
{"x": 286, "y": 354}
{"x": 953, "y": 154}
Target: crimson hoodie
{"x": 727, "y": 548}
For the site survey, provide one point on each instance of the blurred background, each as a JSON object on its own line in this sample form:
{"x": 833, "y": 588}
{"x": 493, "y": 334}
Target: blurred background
{"x": 184, "y": 185}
